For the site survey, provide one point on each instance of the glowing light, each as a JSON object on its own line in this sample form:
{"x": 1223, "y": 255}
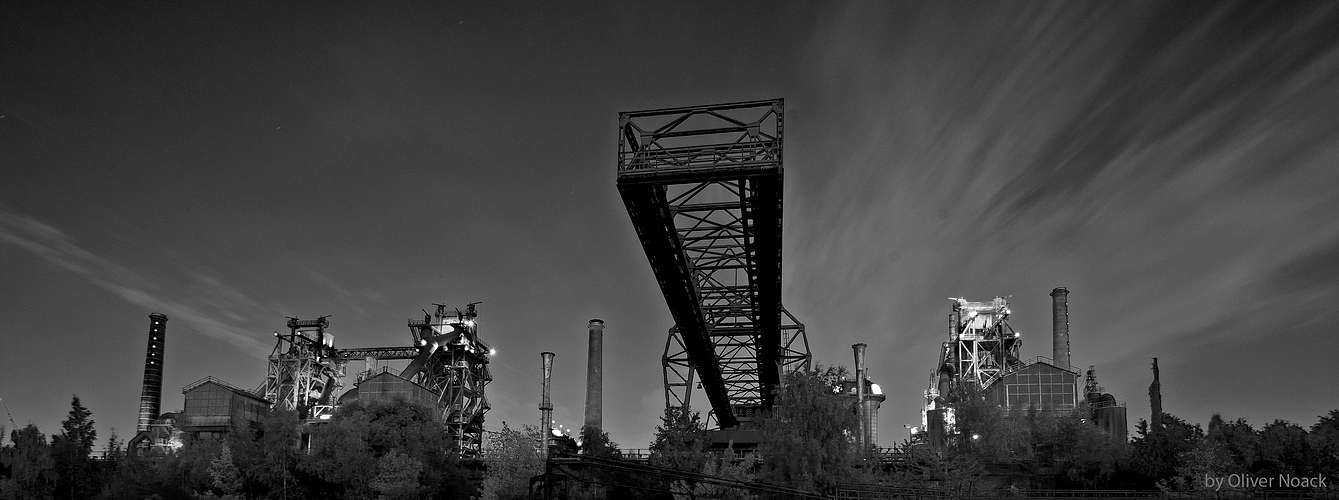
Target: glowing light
{"x": 976, "y": 437}
{"x": 875, "y": 389}
{"x": 557, "y": 433}
{"x": 492, "y": 352}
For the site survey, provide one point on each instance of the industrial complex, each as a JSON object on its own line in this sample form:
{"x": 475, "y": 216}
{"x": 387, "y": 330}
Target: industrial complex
{"x": 981, "y": 354}
{"x": 703, "y": 188}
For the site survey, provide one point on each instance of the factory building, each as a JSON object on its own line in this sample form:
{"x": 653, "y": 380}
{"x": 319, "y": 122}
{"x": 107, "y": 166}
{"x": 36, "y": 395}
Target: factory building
{"x": 386, "y": 385}
{"x": 1039, "y": 383}
{"x": 447, "y": 372}
{"x": 213, "y": 407}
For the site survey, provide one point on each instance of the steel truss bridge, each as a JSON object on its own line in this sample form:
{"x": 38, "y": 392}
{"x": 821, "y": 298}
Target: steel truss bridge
{"x": 703, "y": 187}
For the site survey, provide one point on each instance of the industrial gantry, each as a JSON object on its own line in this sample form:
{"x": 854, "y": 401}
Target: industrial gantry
{"x": 703, "y": 187}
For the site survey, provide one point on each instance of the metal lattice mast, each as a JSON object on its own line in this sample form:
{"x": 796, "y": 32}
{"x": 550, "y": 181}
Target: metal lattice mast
{"x": 703, "y": 188}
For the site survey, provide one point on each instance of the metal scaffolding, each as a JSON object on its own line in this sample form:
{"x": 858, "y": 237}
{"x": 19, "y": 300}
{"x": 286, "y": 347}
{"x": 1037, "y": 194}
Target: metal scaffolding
{"x": 703, "y": 188}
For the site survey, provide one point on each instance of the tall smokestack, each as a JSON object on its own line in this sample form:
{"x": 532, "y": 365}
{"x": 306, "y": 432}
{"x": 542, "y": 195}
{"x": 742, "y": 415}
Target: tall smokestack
{"x": 1060, "y": 326}
{"x": 860, "y": 394}
{"x": 595, "y": 375}
{"x": 1155, "y": 401}
{"x": 151, "y": 395}
{"x": 546, "y": 406}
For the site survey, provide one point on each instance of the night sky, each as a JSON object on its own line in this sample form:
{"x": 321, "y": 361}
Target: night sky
{"x": 1174, "y": 164}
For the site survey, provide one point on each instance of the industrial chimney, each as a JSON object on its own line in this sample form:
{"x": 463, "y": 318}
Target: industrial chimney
{"x": 1060, "y": 327}
{"x": 595, "y": 375}
{"x": 151, "y": 395}
{"x": 546, "y": 406}
{"x": 860, "y": 394}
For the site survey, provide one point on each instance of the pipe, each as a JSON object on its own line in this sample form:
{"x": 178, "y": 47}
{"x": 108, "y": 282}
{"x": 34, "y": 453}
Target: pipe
{"x": 1060, "y": 327}
{"x": 860, "y": 392}
{"x": 545, "y": 406}
{"x": 595, "y": 376}
{"x": 151, "y": 394}
{"x": 427, "y": 347}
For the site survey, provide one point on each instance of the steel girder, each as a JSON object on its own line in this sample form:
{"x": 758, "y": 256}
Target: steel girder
{"x": 702, "y": 186}
{"x": 347, "y": 355}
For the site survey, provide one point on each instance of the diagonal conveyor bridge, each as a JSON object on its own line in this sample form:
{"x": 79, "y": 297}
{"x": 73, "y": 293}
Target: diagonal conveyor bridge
{"x": 703, "y": 187}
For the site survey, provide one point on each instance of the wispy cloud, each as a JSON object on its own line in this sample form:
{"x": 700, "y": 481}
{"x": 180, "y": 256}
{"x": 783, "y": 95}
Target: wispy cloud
{"x": 1174, "y": 170}
{"x": 207, "y": 312}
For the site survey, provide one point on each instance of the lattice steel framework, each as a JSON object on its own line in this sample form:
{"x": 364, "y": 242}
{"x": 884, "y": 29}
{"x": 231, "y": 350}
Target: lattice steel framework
{"x": 678, "y": 366}
{"x": 450, "y": 360}
{"x": 303, "y": 370}
{"x": 982, "y": 347}
{"x": 703, "y": 188}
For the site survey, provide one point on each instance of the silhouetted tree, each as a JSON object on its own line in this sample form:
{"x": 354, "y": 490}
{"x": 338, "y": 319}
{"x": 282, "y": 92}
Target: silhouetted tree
{"x": 1325, "y": 444}
{"x": 680, "y": 441}
{"x": 808, "y": 439}
{"x": 596, "y": 443}
{"x": 1284, "y": 450}
{"x": 392, "y": 449}
{"x": 76, "y": 474}
{"x": 513, "y": 457}
{"x": 1156, "y": 456}
{"x": 397, "y": 477}
{"x": 1237, "y": 441}
{"x": 31, "y": 474}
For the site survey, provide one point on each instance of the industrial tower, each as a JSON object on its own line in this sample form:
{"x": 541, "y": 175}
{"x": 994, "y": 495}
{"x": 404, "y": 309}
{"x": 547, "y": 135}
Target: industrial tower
{"x": 447, "y": 359}
{"x": 981, "y": 347}
{"x": 703, "y": 188}
{"x": 303, "y": 370}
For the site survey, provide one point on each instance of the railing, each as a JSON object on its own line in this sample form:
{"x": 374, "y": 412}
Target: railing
{"x": 1107, "y": 404}
{"x": 742, "y": 154}
{"x": 1048, "y": 361}
{"x": 644, "y": 455}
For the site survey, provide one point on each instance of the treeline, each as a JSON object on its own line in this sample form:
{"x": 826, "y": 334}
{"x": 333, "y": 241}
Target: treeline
{"x": 1065, "y": 450}
{"x": 381, "y": 451}
{"x": 399, "y": 450}
{"x": 807, "y": 446}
